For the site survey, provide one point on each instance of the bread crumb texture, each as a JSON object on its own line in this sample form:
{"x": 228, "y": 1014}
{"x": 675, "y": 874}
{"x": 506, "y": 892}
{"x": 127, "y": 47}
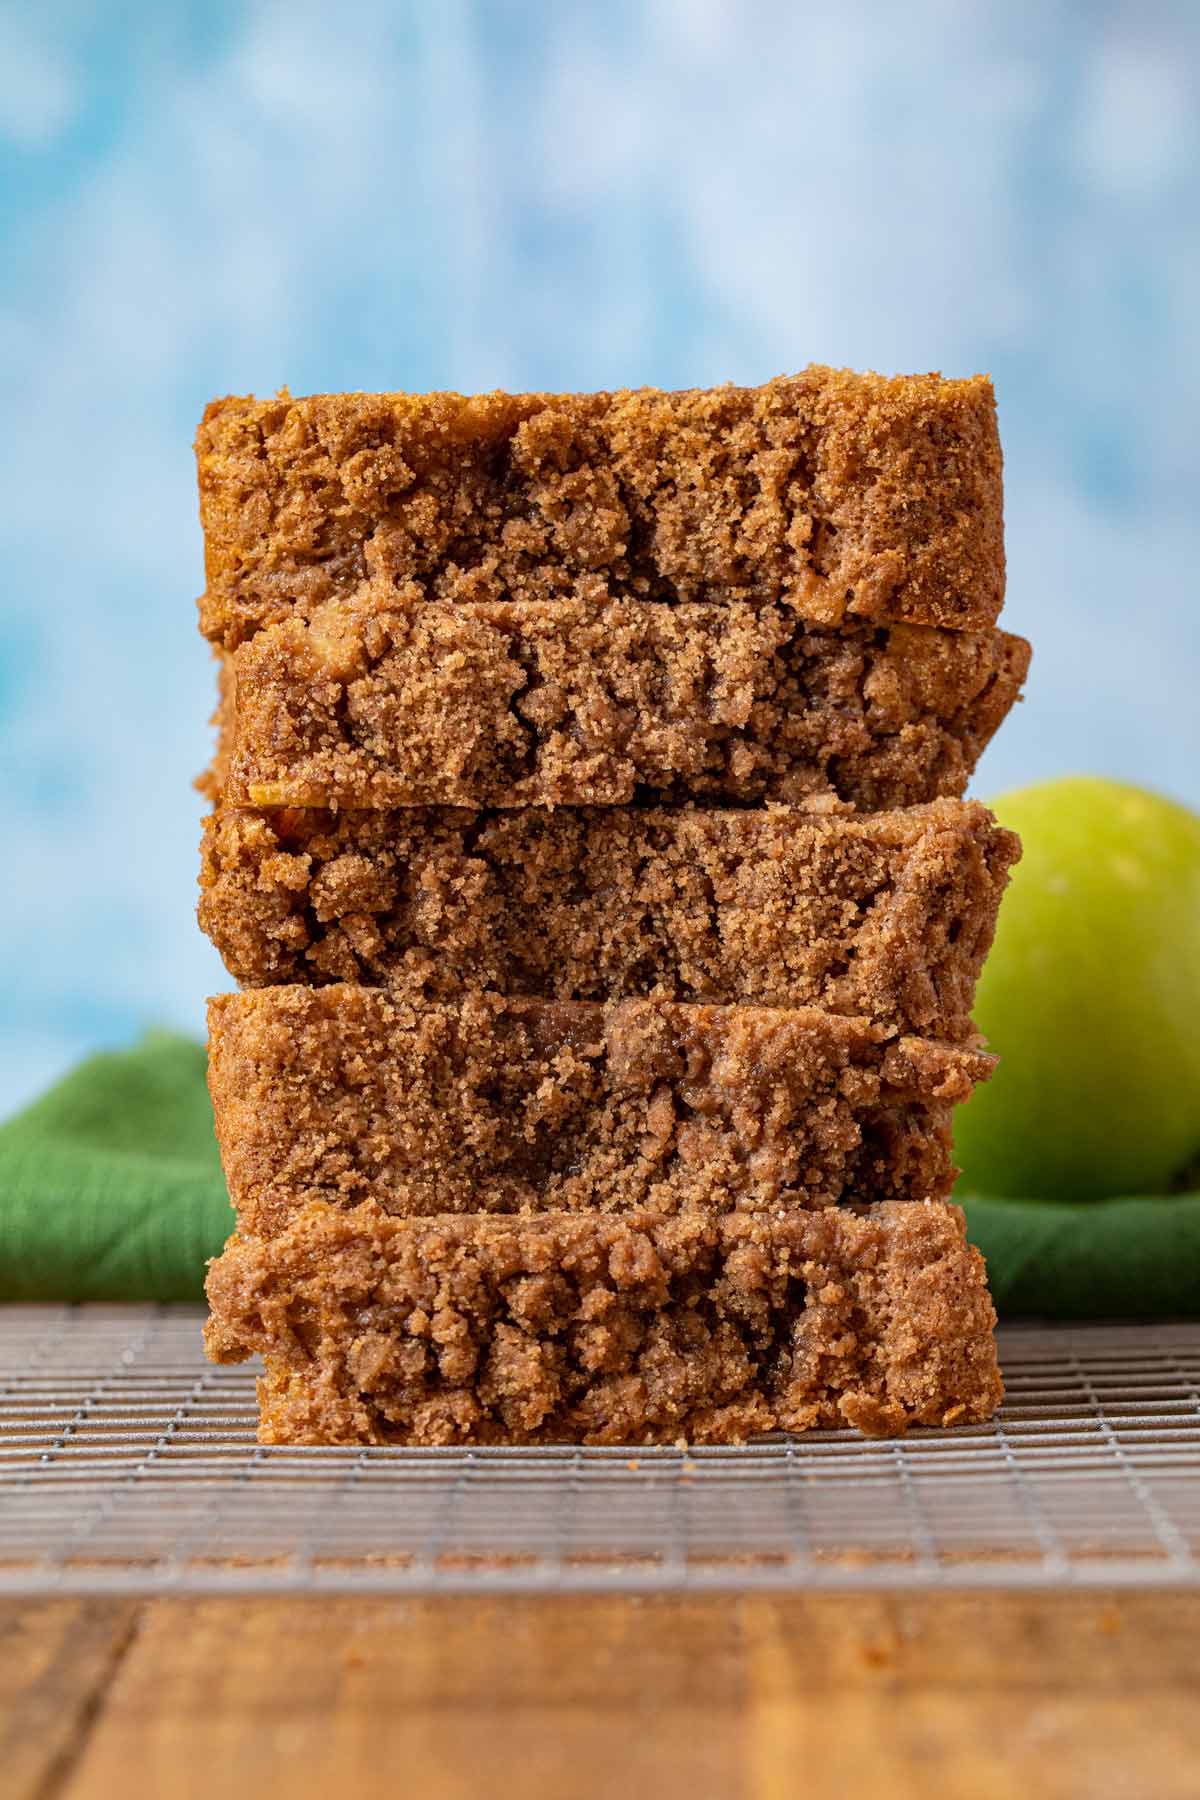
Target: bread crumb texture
{"x": 513, "y": 704}
{"x": 441, "y": 1331}
{"x": 489, "y": 1104}
{"x": 848, "y": 496}
{"x": 885, "y": 914}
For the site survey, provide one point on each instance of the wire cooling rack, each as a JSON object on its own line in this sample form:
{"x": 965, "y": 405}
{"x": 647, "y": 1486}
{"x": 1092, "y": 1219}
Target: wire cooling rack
{"x": 128, "y": 1465}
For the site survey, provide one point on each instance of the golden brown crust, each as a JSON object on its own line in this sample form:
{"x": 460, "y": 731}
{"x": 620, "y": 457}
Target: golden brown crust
{"x": 487, "y": 1104}
{"x": 857, "y": 496}
{"x": 886, "y": 914}
{"x": 600, "y": 1330}
{"x": 511, "y": 705}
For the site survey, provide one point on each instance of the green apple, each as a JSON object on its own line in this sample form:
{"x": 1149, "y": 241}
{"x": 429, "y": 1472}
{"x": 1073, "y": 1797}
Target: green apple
{"x": 1091, "y": 997}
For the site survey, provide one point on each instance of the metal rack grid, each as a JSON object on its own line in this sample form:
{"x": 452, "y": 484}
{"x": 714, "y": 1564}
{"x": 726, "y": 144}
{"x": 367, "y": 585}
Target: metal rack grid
{"x": 128, "y": 1465}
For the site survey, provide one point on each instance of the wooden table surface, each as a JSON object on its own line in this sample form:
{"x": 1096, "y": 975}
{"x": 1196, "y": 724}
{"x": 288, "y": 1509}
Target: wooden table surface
{"x": 980, "y": 1695}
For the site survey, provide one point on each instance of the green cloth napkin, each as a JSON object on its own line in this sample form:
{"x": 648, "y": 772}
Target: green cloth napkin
{"x": 111, "y": 1189}
{"x": 110, "y": 1184}
{"x": 1136, "y": 1258}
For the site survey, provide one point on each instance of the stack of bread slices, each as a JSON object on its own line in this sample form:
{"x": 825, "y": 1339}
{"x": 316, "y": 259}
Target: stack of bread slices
{"x": 589, "y": 846}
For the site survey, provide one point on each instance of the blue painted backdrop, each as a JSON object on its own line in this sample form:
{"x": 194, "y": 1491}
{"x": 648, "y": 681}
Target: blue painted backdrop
{"x": 220, "y": 198}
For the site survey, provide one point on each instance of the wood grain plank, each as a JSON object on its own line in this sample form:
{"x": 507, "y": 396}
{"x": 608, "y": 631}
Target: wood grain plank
{"x": 985, "y": 1697}
{"x": 443, "y": 1698}
{"x": 57, "y": 1658}
{"x": 751, "y": 1697}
